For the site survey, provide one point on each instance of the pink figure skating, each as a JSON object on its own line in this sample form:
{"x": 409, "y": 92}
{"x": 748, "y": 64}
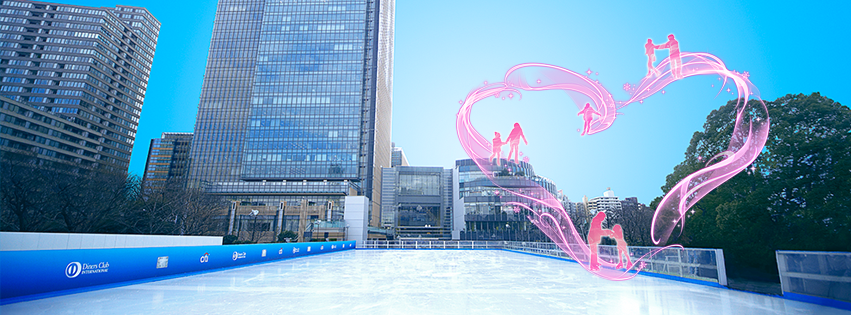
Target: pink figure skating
{"x": 595, "y": 235}
{"x": 587, "y": 115}
{"x": 650, "y": 51}
{"x": 623, "y": 251}
{"x": 497, "y": 148}
{"x": 673, "y": 47}
{"x": 514, "y": 142}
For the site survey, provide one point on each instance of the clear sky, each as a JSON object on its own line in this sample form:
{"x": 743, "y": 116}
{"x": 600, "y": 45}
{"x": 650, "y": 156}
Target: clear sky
{"x": 446, "y": 48}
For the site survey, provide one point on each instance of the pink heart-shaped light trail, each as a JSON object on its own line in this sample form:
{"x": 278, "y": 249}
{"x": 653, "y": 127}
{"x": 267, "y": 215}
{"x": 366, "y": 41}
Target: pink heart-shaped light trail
{"x": 747, "y": 141}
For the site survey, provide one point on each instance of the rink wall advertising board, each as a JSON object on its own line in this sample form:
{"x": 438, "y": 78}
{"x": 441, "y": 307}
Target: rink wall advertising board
{"x": 24, "y": 273}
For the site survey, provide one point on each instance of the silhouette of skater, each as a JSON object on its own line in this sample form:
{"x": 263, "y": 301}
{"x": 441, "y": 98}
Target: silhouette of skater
{"x": 622, "y": 249}
{"x": 650, "y": 51}
{"x": 587, "y": 115}
{"x": 514, "y": 142}
{"x": 595, "y": 235}
{"x": 497, "y": 148}
{"x": 673, "y": 47}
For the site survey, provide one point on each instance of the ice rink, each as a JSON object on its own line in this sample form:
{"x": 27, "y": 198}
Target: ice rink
{"x": 414, "y": 282}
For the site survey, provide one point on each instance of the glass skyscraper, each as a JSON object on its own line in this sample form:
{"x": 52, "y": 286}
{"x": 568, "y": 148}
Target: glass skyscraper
{"x": 296, "y": 102}
{"x": 87, "y": 66}
{"x": 168, "y": 159}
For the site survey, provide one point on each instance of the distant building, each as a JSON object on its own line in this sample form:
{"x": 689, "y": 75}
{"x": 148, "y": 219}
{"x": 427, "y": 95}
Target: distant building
{"x": 416, "y": 201}
{"x": 630, "y": 204}
{"x": 485, "y": 215}
{"x": 397, "y": 157}
{"x": 87, "y": 66}
{"x": 608, "y": 203}
{"x": 168, "y": 159}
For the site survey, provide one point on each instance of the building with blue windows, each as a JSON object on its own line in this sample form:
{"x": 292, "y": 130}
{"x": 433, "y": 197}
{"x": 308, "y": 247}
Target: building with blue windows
{"x": 168, "y": 160}
{"x": 85, "y": 70}
{"x": 296, "y": 103}
{"x": 481, "y": 210}
{"x": 416, "y": 202}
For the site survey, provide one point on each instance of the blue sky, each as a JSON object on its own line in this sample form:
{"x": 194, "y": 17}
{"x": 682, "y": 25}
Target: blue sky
{"x": 446, "y": 48}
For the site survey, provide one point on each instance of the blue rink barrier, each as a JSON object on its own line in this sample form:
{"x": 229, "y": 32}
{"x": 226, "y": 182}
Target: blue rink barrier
{"x": 24, "y": 273}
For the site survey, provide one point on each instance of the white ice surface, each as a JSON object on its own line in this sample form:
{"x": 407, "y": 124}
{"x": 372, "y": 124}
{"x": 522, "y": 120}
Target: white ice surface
{"x": 414, "y": 282}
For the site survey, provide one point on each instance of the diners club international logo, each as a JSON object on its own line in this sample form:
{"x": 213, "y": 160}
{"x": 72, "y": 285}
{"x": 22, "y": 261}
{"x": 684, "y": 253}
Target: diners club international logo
{"x": 238, "y": 255}
{"x": 75, "y": 269}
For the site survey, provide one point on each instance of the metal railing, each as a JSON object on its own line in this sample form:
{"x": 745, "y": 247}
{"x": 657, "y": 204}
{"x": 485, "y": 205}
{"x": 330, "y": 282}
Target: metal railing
{"x": 820, "y": 274}
{"x": 431, "y": 244}
{"x": 705, "y": 264}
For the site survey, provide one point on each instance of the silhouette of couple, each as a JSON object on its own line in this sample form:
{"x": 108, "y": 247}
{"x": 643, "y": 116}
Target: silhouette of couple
{"x": 513, "y": 142}
{"x": 673, "y": 47}
{"x": 596, "y": 234}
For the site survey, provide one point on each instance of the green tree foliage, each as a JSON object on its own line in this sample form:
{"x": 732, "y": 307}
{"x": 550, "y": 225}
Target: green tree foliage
{"x": 795, "y": 196}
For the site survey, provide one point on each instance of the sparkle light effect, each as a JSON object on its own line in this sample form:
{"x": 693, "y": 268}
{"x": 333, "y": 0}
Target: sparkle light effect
{"x": 547, "y": 213}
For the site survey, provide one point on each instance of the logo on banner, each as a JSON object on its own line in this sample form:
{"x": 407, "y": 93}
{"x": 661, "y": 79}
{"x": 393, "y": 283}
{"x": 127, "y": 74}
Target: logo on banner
{"x": 322, "y": 247}
{"x": 205, "y": 258}
{"x": 162, "y": 262}
{"x": 295, "y": 250}
{"x": 333, "y": 246}
{"x": 73, "y": 270}
{"x": 238, "y": 255}
{"x": 308, "y": 248}
{"x": 281, "y": 251}
{"x": 263, "y": 253}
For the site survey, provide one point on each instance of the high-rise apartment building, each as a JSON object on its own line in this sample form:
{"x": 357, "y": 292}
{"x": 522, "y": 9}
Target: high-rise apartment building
{"x": 168, "y": 159}
{"x": 88, "y": 66}
{"x": 296, "y": 103}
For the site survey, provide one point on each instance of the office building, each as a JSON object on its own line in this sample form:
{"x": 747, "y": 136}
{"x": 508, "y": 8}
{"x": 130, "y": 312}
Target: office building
{"x": 87, "y": 66}
{"x": 168, "y": 160}
{"x": 397, "y": 157}
{"x": 480, "y": 210}
{"x": 416, "y": 202}
{"x": 296, "y": 103}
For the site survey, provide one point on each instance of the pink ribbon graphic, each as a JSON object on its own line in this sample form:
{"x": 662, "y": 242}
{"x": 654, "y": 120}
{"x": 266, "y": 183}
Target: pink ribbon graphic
{"x": 548, "y": 214}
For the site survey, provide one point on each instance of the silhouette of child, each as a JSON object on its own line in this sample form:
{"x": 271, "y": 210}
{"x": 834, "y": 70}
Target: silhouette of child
{"x": 622, "y": 249}
{"x": 587, "y": 115}
{"x": 595, "y": 235}
{"x": 514, "y": 142}
{"x": 650, "y": 51}
{"x": 497, "y": 148}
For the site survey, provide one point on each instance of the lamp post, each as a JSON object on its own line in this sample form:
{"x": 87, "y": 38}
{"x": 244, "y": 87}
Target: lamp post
{"x": 253, "y": 214}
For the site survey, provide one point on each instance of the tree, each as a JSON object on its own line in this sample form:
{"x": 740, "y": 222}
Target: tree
{"x": 286, "y": 236}
{"x": 635, "y": 224}
{"x": 24, "y": 198}
{"x": 796, "y": 195}
{"x": 92, "y": 202}
{"x": 197, "y": 211}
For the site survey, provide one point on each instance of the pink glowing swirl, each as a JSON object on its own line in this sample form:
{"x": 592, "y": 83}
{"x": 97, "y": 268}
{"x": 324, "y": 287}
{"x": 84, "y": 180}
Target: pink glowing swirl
{"x": 748, "y": 139}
